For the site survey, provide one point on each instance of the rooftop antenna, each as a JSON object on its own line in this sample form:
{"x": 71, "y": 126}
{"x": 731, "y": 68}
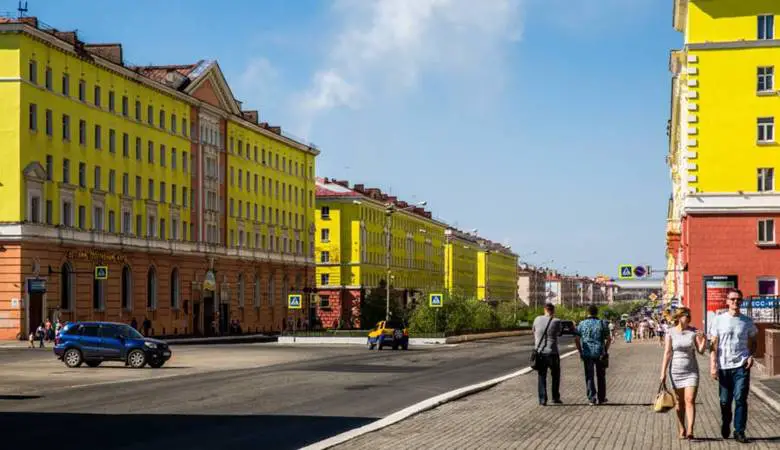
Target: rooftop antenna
{"x": 22, "y": 8}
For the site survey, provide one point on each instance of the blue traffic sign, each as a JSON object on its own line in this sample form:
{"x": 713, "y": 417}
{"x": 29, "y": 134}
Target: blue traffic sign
{"x": 640, "y": 271}
{"x": 626, "y": 272}
{"x": 436, "y": 300}
{"x": 294, "y": 301}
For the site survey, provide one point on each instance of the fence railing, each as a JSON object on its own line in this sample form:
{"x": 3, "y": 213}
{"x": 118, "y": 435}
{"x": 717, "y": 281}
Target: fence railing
{"x": 762, "y": 309}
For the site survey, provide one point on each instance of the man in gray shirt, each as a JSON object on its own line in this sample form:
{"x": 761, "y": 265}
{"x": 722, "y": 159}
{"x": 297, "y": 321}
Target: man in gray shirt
{"x": 546, "y": 330}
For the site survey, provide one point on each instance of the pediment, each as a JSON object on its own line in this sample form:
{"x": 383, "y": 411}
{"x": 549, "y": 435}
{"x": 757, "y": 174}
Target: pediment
{"x": 209, "y": 85}
{"x": 35, "y": 171}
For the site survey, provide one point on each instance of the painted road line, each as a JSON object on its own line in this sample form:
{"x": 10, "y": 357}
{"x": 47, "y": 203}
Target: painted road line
{"x": 418, "y": 408}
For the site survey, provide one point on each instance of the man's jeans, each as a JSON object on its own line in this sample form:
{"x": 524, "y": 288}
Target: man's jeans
{"x": 550, "y": 361}
{"x": 734, "y": 386}
{"x": 595, "y": 365}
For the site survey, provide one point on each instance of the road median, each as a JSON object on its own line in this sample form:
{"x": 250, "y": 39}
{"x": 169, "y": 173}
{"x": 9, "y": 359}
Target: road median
{"x": 329, "y": 339}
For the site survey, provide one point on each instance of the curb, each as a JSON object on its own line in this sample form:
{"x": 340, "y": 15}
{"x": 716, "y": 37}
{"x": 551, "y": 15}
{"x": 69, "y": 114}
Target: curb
{"x": 222, "y": 340}
{"x": 418, "y": 408}
{"x": 763, "y": 395}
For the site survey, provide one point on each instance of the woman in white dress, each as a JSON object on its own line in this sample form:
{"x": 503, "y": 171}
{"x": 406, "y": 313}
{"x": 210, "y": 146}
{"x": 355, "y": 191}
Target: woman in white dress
{"x": 681, "y": 344}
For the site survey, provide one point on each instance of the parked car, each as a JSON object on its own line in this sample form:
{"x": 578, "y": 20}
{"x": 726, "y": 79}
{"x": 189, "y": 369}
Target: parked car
{"x": 567, "y": 327}
{"x": 393, "y": 333}
{"x": 95, "y": 342}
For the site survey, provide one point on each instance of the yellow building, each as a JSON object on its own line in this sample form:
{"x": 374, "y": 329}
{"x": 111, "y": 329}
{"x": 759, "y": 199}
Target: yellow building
{"x": 351, "y": 248}
{"x": 202, "y": 213}
{"x": 496, "y": 272}
{"x": 723, "y": 148}
{"x": 460, "y": 263}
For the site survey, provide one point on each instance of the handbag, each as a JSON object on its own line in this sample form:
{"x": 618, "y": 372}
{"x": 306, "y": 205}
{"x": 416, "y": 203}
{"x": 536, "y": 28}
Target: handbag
{"x": 604, "y": 355}
{"x": 535, "y": 355}
{"x": 664, "y": 400}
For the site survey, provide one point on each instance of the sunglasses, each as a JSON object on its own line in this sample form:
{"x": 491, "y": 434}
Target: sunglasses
{"x": 736, "y": 299}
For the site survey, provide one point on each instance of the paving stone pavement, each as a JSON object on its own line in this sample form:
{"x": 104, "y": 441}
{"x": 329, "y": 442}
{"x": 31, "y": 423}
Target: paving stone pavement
{"x": 509, "y": 417}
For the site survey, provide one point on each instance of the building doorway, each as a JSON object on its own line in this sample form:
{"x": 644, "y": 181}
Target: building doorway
{"x": 196, "y": 327}
{"x": 34, "y": 311}
{"x": 224, "y": 318}
{"x": 208, "y": 314}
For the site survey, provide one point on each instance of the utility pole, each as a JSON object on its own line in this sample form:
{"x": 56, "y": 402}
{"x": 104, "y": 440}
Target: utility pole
{"x": 389, "y": 242}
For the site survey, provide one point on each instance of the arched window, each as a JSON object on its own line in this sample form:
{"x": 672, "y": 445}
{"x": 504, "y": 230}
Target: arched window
{"x": 175, "y": 288}
{"x": 257, "y": 291}
{"x": 271, "y": 289}
{"x": 151, "y": 289}
{"x": 240, "y": 290}
{"x": 67, "y": 285}
{"x": 127, "y": 289}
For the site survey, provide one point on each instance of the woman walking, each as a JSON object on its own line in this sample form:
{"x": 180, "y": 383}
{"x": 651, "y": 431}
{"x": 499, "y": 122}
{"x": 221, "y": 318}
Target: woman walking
{"x": 679, "y": 363}
{"x": 629, "y": 331}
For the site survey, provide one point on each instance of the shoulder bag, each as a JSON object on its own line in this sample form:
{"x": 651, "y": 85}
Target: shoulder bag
{"x": 535, "y": 355}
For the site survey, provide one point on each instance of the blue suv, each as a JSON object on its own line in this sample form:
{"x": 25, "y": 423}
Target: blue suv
{"x": 95, "y": 342}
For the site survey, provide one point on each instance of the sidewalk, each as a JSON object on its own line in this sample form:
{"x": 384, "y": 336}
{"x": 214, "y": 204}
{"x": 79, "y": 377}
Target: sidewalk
{"x": 508, "y": 416}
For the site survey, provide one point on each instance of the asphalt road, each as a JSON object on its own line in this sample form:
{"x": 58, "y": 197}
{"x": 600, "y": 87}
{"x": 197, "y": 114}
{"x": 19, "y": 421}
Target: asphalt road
{"x": 319, "y": 393}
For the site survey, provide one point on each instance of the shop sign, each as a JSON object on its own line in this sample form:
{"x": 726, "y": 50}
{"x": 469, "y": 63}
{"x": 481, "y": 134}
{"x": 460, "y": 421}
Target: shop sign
{"x": 210, "y": 283}
{"x": 97, "y": 256}
{"x": 35, "y": 286}
{"x": 716, "y": 288}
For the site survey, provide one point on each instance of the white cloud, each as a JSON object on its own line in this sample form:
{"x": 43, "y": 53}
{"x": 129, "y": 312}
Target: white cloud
{"x": 259, "y": 82}
{"x": 388, "y": 45}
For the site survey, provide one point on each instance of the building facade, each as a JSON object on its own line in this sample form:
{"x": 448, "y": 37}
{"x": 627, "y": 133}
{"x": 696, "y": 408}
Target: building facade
{"x": 531, "y": 285}
{"x": 460, "y": 261}
{"x": 722, "y": 154}
{"x": 352, "y": 251}
{"x": 200, "y": 213}
{"x": 496, "y": 272}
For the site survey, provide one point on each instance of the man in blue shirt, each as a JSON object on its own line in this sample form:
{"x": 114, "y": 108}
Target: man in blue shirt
{"x": 592, "y": 341}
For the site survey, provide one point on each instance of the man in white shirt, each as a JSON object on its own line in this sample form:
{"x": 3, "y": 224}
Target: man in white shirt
{"x": 733, "y": 345}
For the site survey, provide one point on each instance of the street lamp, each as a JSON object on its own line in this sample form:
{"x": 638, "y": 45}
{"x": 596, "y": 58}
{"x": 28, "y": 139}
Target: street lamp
{"x": 390, "y": 209}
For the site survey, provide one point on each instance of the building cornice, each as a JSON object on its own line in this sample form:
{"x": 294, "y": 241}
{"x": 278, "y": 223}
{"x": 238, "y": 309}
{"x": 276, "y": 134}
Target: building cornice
{"x": 148, "y": 82}
{"x": 731, "y": 45}
{"x": 378, "y": 205}
{"x": 732, "y": 203}
{"x": 26, "y": 232}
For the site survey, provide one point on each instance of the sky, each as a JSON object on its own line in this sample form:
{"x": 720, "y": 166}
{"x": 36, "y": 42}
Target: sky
{"x": 540, "y": 123}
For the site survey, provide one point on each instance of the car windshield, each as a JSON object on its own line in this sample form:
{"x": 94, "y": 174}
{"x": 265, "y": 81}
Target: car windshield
{"x": 394, "y": 324}
{"x": 130, "y": 332}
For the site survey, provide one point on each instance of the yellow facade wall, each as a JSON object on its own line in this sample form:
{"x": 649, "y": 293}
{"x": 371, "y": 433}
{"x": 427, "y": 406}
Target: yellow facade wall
{"x": 726, "y": 20}
{"x": 461, "y": 268}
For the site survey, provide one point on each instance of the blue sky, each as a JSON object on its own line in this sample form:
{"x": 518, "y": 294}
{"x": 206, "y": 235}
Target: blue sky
{"x": 539, "y": 122}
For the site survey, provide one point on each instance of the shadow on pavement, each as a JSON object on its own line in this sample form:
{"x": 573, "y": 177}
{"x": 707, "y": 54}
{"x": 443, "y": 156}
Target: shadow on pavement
{"x": 18, "y": 397}
{"x": 170, "y": 431}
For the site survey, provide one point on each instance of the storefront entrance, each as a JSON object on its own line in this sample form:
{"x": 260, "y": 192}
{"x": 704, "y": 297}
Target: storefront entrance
{"x": 34, "y": 311}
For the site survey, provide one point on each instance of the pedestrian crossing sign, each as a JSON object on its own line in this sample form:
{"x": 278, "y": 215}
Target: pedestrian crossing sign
{"x": 436, "y": 300}
{"x": 101, "y": 272}
{"x": 294, "y": 301}
{"x": 626, "y": 272}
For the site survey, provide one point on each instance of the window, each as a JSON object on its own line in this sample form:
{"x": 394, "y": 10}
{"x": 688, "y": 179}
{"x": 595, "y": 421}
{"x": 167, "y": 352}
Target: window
{"x": 766, "y": 231}
{"x": 767, "y": 286}
{"x": 324, "y": 302}
{"x": 127, "y": 289}
{"x": 82, "y": 175}
{"x": 766, "y": 129}
{"x": 49, "y": 124}
{"x": 97, "y": 221}
{"x": 173, "y": 123}
{"x": 125, "y": 106}
{"x": 175, "y": 289}
{"x": 324, "y": 257}
{"x": 766, "y": 180}
{"x": 111, "y": 222}
{"x": 162, "y": 119}
{"x": 325, "y": 212}
{"x": 127, "y": 225}
{"x": 49, "y": 167}
{"x": 111, "y": 141}
{"x": 173, "y": 158}
{"x": 82, "y": 132}
{"x": 138, "y": 149}
{"x": 98, "y": 135}
{"x": 150, "y": 115}
{"x": 138, "y": 187}
{"x": 184, "y": 196}
{"x": 163, "y": 192}
{"x": 49, "y": 212}
{"x": 97, "y": 178}
{"x": 138, "y": 225}
{"x": 33, "y": 71}
{"x": 35, "y": 209}
{"x": 173, "y": 194}
{"x": 125, "y": 145}
{"x": 766, "y": 79}
{"x": 766, "y": 27}
{"x": 82, "y": 90}
{"x": 138, "y": 110}
{"x": 162, "y": 155}
{"x": 174, "y": 229}
{"x": 66, "y": 84}
{"x": 151, "y": 289}
{"x": 48, "y": 79}
{"x": 97, "y": 96}
{"x": 33, "y": 117}
{"x": 67, "y": 214}
{"x": 150, "y": 152}
{"x": 66, "y": 127}
{"x": 241, "y": 291}
{"x": 67, "y": 283}
{"x": 82, "y": 217}
{"x": 66, "y": 171}
{"x": 111, "y": 101}
{"x": 162, "y": 229}
{"x": 112, "y": 181}
{"x": 324, "y": 279}
{"x": 240, "y": 179}
{"x": 184, "y": 161}
{"x": 184, "y": 126}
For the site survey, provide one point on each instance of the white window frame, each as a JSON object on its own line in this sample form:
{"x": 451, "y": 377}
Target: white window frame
{"x": 768, "y": 33}
{"x": 766, "y": 127}
{"x": 766, "y": 229}
{"x": 766, "y": 179}
{"x": 766, "y": 77}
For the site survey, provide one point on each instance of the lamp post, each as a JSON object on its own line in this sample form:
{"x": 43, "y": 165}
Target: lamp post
{"x": 390, "y": 209}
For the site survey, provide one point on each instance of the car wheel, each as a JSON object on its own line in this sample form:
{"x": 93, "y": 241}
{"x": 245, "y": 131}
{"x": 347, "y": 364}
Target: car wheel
{"x": 156, "y": 364}
{"x": 72, "y": 358}
{"x": 136, "y": 359}
{"x": 93, "y": 363}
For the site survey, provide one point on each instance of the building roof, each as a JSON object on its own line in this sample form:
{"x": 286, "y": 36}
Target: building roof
{"x": 161, "y": 74}
{"x": 328, "y": 188}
